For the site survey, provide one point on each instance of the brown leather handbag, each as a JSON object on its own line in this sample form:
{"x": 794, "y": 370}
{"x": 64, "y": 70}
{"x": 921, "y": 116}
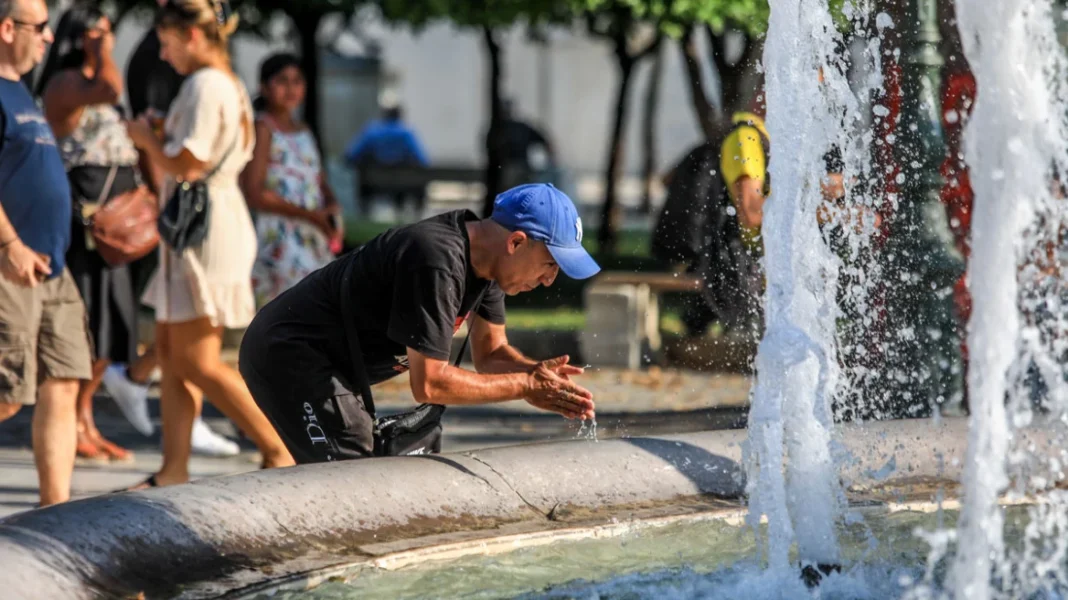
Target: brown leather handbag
{"x": 123, "y": 228}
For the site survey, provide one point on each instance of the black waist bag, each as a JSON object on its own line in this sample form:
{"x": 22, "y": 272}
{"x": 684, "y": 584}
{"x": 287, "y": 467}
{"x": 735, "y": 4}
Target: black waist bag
{"x": 409, "y": 433}
{"x": 186, "y": 218}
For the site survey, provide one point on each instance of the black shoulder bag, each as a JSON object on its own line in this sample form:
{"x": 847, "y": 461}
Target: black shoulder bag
{"x": 184, "y": 221}
{"x": 413, "y": 432}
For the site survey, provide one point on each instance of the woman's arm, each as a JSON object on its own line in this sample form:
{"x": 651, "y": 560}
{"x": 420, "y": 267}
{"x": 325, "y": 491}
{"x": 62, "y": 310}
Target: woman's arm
{"x": 69, "y": 91}
{"x": 184, "y": 166}
{"x": 254, "y": 181}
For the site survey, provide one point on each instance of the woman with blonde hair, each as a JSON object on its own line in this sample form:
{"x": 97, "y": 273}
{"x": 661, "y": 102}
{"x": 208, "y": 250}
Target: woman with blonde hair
{"x": 198, "y": 291}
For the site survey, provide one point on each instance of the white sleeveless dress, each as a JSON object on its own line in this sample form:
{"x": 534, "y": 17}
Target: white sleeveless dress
{"x": 212, "y": 280}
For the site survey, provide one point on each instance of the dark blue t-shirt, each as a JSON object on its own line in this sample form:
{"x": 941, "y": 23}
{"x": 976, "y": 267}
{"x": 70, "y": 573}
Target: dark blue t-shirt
{"x": 34, "y": 190}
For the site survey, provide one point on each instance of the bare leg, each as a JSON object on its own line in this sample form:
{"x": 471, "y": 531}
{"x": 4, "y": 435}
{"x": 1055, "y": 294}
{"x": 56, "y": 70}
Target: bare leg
{"x": 179, "y": 406}
{"x": 196, "y": 352}
{"x": 189, "y": 355}
{"x": 141, "y": 369}
{"x": 91, "y": 443}
{"x": 85, "y": 446}
{"x": 180, "y": 403}
{"x": 8, "y": 410}
{"x": 54, "y": 437}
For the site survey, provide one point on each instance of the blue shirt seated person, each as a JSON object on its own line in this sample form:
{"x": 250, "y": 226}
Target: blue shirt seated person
{"x": 388, "y": 142}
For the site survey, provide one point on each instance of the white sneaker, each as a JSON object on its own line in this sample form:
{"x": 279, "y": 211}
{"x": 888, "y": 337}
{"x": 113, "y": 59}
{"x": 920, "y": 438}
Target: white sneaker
{"x": 131, "y": 398}
{"x": 208, "y": 443}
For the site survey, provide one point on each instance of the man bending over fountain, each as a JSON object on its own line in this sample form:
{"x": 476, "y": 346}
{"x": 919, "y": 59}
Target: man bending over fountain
{"x": 394, "y": 305}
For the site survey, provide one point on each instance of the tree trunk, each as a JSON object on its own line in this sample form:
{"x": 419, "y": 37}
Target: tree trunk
{"x": 494, "y": 143}
{"x": 307, "y": 26}
{"x": 611, "y": 214}
{"x": 740, "y": 79}
{"x": 649, "y": 110}
{"x": 708, "y": 118}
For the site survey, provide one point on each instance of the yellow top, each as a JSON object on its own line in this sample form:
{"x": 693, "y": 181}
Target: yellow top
{"x": 742, "y": 155}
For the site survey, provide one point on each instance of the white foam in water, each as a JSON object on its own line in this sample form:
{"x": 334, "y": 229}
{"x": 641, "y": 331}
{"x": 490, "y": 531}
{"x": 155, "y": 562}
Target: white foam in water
{"x": 797, "y": 362}
{"x": 1012, "y": 142}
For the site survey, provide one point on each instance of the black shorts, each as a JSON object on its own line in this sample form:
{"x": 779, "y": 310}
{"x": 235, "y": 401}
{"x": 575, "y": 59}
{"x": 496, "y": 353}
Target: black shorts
{"x": 317, "y": 416}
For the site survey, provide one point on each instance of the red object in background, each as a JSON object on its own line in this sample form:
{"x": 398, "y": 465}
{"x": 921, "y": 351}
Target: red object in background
{"x": 958, "y": 98}
{"x": 886, "y": 173}
{"x": 887, "y": 129}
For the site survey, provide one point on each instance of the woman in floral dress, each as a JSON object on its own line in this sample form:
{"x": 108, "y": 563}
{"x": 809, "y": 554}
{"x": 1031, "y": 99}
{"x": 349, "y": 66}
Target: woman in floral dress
{"x": 297, "y": 220}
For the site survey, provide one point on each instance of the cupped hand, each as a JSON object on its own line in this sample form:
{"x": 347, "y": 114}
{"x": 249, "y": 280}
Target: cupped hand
{"x": 323, "y": 220}
{"x": 562, "y": 367}
{"x": 551, "y": 391}
{"x": 140, "y": 131}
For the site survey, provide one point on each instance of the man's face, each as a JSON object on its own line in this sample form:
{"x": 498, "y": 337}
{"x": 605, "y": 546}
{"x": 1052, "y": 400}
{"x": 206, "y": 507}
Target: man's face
{"x": 526, "y": 264}
{"x": 27, "y": 32}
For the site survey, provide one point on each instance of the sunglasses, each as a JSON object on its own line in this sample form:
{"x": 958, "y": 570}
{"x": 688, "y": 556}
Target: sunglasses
{"x": 39, "y": 28}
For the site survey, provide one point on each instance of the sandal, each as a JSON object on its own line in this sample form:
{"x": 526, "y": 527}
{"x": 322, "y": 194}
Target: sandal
{"x": 147, "y": 484}
{"x": 113, "y": 451}
{"x": 85, "y": 447}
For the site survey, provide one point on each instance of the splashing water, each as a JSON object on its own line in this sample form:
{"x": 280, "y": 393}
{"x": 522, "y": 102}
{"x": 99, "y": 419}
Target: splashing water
{"x": 588, "y": 430}
{"x": 797, "y": 361}
{"x": 1015, "y": 146}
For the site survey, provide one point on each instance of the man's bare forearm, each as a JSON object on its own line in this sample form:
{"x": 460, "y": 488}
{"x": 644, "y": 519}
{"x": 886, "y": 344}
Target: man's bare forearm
{"x": 506, "y": 359}
{"x": 456, "y": 386}
{"x": 7, "y": 230}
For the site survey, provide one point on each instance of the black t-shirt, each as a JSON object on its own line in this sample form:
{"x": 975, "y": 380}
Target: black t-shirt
{"x": 150, "y": 81}
{"x": 411, "y": 287}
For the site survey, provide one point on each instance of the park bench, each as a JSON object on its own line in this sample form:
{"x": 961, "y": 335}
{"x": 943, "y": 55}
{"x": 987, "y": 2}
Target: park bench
{"x": 401, "y": 182}
{"x": 623, "y": 315}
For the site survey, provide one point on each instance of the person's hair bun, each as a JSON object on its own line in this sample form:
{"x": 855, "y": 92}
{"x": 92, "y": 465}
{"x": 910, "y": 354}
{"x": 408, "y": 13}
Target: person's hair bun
{"x": 216, "y": 18}
{"x": 225, "y": 17}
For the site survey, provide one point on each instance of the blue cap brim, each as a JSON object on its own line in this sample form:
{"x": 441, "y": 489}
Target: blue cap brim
{"x": 575, "y": 262}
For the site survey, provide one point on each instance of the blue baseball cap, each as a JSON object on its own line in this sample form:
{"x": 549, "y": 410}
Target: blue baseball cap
{"x": 546, "y": 214}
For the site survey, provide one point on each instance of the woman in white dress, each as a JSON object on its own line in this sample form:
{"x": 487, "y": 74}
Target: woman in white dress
{"x": 206, "y": 288}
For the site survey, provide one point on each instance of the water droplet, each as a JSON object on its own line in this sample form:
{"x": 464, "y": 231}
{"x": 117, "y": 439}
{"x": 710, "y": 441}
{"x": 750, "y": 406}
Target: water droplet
{"x": 883, "y": 21}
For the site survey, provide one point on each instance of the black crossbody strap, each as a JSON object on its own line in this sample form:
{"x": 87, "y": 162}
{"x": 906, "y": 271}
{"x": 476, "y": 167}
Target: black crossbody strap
{"x": 349, "y": 322}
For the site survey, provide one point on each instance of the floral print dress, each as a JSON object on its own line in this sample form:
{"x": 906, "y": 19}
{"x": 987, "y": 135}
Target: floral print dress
{"x": 290, "y": 249}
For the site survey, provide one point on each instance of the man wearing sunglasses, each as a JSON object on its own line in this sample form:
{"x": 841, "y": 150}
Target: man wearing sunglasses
{"x": 44, "y": 345}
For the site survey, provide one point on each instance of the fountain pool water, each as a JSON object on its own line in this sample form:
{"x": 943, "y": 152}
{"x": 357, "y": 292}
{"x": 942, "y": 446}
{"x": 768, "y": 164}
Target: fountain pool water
{"x": 697, "y": 557}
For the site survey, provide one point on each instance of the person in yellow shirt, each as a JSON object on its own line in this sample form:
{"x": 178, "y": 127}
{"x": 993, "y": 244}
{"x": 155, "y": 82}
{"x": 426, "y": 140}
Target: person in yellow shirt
{"x": 743, "y": 160}
{"x": 732, "y": 219}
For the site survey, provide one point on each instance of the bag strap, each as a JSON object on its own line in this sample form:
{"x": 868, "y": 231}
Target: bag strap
{"x": 349, "y": 322}
{"x": 229, "y": 151}
{"x": 105, "y": 193}
{"x": 233, "y": 144}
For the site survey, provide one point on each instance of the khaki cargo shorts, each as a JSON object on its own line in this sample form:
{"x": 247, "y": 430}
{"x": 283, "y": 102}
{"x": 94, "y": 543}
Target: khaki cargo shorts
{"x": 44, "y": 334}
